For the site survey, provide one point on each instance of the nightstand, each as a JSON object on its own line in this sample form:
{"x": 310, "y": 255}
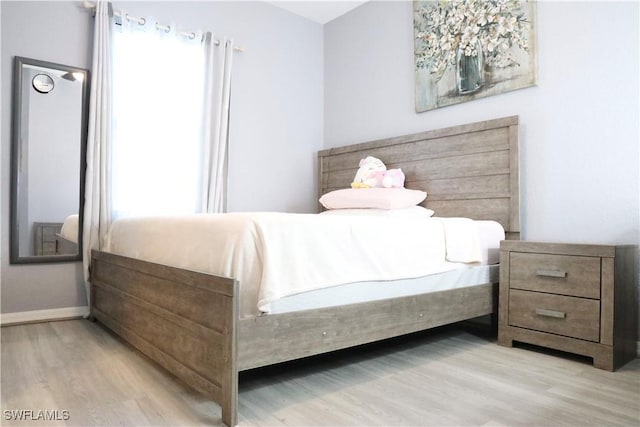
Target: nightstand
{"x": 576, "y": 298}
{"x": 44, "y": 237}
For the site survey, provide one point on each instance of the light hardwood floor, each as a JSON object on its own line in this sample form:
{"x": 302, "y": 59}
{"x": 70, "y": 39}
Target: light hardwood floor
{"x": 444, "y": 377}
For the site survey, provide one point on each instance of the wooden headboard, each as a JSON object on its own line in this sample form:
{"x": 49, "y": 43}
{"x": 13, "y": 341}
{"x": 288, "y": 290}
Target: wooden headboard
{"x": 468, "y": 171}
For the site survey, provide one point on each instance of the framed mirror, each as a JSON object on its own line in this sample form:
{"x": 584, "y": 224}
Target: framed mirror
{"x": 49, "y": 131}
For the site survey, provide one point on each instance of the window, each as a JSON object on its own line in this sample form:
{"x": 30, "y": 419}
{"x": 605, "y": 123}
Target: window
{"x": 158, "y": 87}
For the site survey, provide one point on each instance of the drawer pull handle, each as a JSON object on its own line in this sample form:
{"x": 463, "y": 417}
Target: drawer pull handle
{"x": 550, "y": 313}
{"x": 551, "y": 273}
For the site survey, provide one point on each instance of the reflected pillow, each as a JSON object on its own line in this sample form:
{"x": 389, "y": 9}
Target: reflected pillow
{"x": 372, "y": 198}
{"x": 412, "y": 212}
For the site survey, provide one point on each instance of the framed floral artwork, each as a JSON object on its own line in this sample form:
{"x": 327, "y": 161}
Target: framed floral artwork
{"x": 470, "y": 49}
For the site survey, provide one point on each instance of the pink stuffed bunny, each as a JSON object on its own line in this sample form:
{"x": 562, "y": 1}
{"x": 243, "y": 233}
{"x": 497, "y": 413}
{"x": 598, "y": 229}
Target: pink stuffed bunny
{"x": 374, "y": 174}
{"x": 391, "y": 178}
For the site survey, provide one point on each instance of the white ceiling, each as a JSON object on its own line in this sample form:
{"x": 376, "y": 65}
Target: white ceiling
{"x": 321, "y": 11}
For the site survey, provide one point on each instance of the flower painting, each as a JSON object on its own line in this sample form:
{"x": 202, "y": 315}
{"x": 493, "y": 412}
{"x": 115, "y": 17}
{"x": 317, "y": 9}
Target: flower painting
{"x": 469, "y": 49}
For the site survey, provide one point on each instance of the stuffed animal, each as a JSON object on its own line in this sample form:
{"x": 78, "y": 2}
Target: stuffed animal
{"x": 365, "y": 177}
{"x": 393, "y": 178}
{"x": 374, "y": 174}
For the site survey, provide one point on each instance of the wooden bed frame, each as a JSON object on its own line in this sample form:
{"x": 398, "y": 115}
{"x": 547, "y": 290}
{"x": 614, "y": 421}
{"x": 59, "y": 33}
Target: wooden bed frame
{"x": 188, "y": 321}
{"x": 65, "y": 246}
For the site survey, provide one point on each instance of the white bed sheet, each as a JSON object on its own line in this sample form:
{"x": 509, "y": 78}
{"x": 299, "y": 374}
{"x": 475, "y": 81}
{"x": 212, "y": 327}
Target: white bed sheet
{"x": 459, "y": 275}
{"x": 463, "y": 275}
{"x": 275, "y": 255}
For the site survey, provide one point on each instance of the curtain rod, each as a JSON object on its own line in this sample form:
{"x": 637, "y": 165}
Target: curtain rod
{"x": 88, "y": 5}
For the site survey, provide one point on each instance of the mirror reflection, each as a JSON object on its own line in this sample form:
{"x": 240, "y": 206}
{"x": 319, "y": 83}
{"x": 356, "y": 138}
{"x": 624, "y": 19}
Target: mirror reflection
{"x": 49, "y": 131}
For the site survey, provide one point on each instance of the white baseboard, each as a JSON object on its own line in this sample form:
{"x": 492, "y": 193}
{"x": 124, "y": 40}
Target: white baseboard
{"x": 7, "y": 319}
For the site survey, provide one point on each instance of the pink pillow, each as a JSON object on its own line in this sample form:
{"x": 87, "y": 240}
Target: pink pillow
{"x": 372, "y": 198}
{"x": 410, "y": 212}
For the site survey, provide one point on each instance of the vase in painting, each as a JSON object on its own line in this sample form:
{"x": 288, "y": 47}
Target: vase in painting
{"x": 469, "y": 72}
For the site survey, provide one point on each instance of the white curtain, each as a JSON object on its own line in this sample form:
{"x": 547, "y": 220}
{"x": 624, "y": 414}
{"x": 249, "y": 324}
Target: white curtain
{"x": 158, "y": 123}
{"x": 217, "y": 104}
{"x": 96, "y": 218}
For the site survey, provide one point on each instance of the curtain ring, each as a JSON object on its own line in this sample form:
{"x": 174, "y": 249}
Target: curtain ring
{"x": 165, "y": 28}
{"x": 140, "y": 21}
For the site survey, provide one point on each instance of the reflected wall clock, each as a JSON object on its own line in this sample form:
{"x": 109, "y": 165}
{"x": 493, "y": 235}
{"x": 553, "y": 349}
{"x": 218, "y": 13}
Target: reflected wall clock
{"x": 42, "y": 83}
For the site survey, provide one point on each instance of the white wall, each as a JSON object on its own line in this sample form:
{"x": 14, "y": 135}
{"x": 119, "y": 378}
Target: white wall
{"x": 55, "y": 32}
{"x": 276, "y": 114}
{"x": 579, "y": 126}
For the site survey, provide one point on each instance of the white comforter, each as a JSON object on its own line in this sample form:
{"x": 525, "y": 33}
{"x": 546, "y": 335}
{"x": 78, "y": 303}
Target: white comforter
{"x": 69, "y": 228}
{"x": 273, "y": 255}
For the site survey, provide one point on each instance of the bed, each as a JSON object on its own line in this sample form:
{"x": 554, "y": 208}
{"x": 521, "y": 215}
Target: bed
{"x": 191, "y": 322}
{"x": 67, "y": 238}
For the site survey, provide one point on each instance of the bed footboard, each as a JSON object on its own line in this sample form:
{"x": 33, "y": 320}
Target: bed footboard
{"x": 183, "y": 320}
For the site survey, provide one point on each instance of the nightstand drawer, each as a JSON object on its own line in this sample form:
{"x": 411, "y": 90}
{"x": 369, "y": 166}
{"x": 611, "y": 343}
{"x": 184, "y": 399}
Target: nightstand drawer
{"x": 557, "y": 314}
{"x": 558, "y": 274}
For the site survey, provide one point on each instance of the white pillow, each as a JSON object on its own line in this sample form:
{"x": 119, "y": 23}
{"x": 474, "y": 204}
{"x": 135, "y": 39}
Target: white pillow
{"x": 412, "y": 212}
{"x": 372, "y": 198}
